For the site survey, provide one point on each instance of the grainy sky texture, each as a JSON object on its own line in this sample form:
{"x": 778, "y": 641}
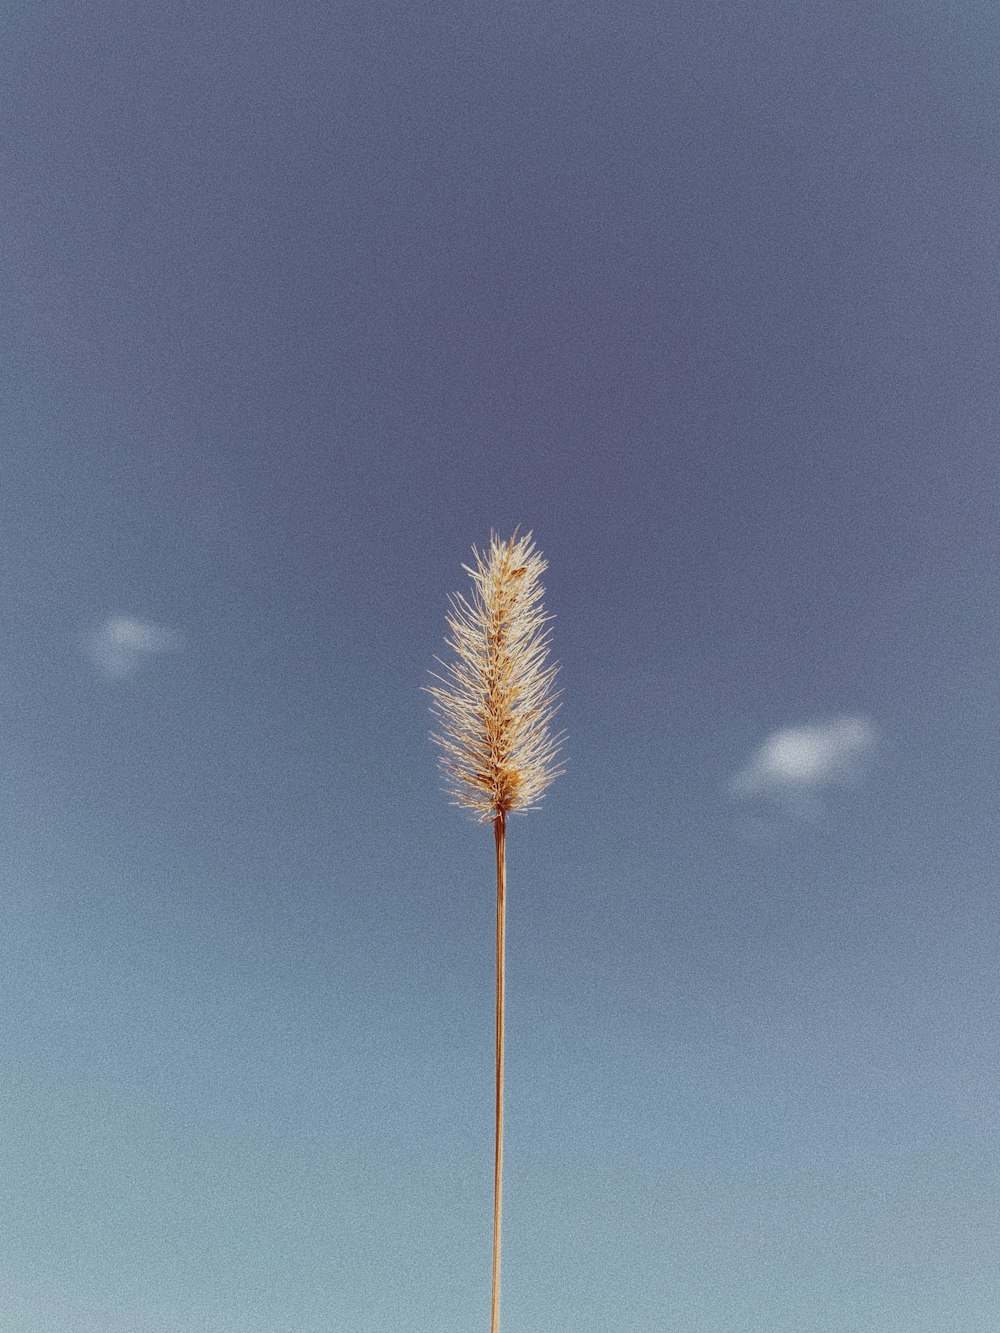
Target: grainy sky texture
{"x": 298, "y": 302}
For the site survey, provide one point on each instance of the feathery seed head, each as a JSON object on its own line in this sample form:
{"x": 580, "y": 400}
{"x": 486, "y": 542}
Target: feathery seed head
{"x": 496, "y": 700}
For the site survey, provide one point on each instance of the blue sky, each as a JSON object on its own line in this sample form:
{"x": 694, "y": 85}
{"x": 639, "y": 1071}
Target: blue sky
{"x": 299, "y": 302}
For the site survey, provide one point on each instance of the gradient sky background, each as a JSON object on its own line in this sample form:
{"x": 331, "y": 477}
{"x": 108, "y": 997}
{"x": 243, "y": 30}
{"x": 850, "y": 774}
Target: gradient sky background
{"x": 298, "y": 302}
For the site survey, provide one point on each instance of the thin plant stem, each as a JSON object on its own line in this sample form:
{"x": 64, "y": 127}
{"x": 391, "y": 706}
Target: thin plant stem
{"x": 500, "y": 834}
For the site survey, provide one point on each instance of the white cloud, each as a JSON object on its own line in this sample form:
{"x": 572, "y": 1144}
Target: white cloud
{"x": 801, "y": 760}
{"x": 121, "y": 644}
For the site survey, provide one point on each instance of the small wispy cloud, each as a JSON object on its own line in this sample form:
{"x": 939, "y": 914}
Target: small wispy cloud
{"x": 803, "y": 760}
{"x": 120, "y": 645}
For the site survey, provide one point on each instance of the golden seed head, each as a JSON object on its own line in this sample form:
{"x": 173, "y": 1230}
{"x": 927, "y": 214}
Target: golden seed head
{"x": 495, "y": 700}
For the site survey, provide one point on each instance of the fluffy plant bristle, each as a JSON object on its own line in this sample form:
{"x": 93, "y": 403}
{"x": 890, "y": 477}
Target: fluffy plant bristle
{"x": 495, "y": 700}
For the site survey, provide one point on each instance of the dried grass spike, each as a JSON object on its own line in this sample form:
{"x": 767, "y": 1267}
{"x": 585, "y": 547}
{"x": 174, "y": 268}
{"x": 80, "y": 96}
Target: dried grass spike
{"x": 494, "y": 703}
{"x": 495, "y": 700}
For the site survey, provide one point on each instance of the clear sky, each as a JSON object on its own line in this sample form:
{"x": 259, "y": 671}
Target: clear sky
{"x": 298, "y": 302}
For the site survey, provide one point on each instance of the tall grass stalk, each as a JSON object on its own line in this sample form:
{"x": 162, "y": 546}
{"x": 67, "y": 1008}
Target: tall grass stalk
{"x": 494, "y": 702}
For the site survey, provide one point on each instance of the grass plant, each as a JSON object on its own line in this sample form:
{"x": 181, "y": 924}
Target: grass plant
{"x": 494, "y": 702}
